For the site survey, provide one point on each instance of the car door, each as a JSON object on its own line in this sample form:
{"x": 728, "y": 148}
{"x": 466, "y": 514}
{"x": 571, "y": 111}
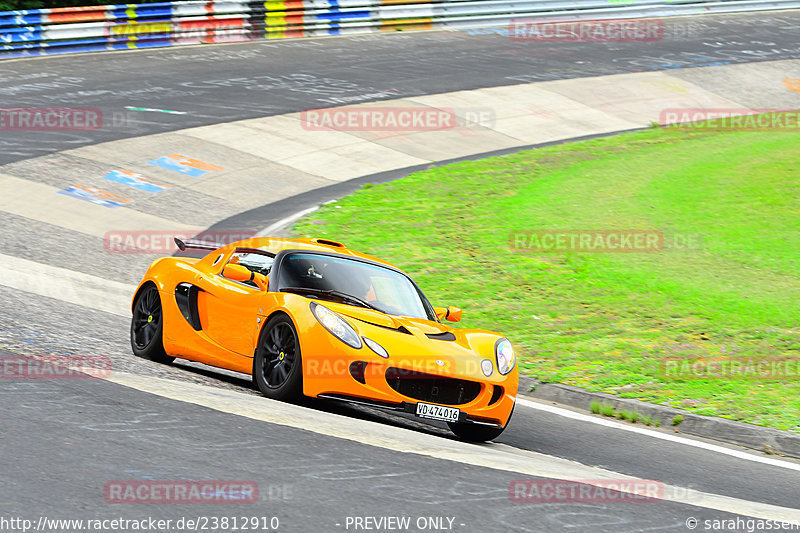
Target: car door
{"x": 228, "y": 309}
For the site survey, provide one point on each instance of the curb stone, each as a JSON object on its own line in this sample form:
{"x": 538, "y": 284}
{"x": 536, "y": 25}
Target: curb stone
{"x": 763, "y": 439}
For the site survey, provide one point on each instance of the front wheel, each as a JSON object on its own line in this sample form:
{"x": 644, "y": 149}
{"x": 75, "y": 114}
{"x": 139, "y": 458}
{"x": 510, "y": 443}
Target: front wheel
{"x": 147, "y": 326}
{"x": 277, "y": 366}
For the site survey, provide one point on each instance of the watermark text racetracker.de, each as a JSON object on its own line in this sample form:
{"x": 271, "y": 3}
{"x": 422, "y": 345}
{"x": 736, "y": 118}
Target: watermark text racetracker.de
{"x": 600, "y": 241}
{"x": 726, "y": 368}
{"x": 611, "y": 30}
{"x": 50, "y": 119}
{"x": 585, "y": 491}
{"x": 403, "y": 366}
{"x": 395, "y": 119}
{"x": 180, "y": 492}
{"x": 561, "y": 30}
{"x": 725, "y": 119}
{"x": 57, "y": 119}
{"x": 55, "y": 366}
{"x": 163, "y": 241}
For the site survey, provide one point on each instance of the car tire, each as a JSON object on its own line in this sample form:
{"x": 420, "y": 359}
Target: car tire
{"x": 278, "y": 365}
{"x": 476, "y": 432}
{"x": 147, "y": 326}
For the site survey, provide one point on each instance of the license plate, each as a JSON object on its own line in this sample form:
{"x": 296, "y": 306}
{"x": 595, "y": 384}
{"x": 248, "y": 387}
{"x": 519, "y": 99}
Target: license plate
{"x": 437, "y": 412}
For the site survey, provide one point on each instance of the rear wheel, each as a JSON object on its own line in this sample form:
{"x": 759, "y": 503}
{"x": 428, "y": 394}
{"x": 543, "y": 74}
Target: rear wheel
{"x": 147, "y": 326}
{"x": 477, "y": 432}
{"x": 277, "y": 366}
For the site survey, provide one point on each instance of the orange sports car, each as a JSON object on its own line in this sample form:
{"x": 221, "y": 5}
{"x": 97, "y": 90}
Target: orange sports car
{"x": 312, "y": 317}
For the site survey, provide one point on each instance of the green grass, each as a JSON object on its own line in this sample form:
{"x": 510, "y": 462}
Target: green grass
{"x": 630, "y": 416}
{"x": 605, "y": 321}
{"x": 607, "y": 410}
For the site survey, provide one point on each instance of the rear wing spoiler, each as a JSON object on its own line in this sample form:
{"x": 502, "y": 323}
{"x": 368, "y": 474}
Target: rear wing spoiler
{"x": 197, "y": 245}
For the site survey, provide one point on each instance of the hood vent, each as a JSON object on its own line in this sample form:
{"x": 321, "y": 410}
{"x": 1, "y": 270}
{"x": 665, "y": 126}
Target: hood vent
{"x": 328, "y": 242}
{"x": 446, "y": 336}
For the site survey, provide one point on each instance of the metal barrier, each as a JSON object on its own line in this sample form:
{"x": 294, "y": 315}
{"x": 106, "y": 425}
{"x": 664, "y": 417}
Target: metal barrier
{"x": 114, "y": 27}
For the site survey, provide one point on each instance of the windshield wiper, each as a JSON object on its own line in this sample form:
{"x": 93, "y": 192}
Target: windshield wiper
{"x": 331, "y": 292}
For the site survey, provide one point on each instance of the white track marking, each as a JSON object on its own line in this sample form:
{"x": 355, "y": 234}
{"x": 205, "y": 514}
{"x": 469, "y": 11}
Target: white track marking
{"x": 66, "y": 285}
{"x": 658, "y": 435}
{"x": 495, "y": 456}
{"x": 267, "y": 232}
{"x": 153, "y": 110}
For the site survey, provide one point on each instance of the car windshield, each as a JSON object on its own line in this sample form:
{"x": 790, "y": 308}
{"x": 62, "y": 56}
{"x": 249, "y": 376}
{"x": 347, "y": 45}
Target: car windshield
{"x": 353, "y": 282}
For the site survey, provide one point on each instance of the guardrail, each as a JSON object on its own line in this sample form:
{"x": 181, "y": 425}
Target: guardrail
{"x": 115, "y": 27}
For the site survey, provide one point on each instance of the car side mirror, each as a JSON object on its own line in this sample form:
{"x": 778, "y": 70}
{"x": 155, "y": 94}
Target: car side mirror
{"x": 236, "y": 272}
{"x": 449, "y": 313}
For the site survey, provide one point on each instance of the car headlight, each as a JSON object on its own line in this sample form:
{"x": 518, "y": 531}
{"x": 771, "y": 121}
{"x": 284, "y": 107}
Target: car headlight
{"x": 336, "y": 325}
{"x": 505, "y": 356}
{"x": 486, "y": 366}
{"x": 377, "y": 348}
